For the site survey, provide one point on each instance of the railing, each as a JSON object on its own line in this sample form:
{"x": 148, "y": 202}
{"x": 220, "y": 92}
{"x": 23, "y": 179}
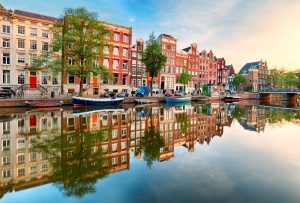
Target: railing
{"x": 283, "y": 90}
{"x": 32, "y": 87}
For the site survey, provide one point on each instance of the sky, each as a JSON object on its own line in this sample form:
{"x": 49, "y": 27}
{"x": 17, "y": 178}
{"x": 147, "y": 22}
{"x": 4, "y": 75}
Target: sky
{"x": 241, "y": 31}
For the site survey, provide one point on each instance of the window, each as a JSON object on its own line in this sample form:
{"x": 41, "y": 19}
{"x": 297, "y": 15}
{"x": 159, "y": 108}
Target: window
{"x": 21, "y": 172}
{"x": 32, "y": 57}
{"x": 123, "y": 145}
{"x": 44, "y": 78}
{"x": 124, "y": 80}
{"x": 33, "y": 169}
{"x": 6, "y": 43}
{"x": 21, "y": 143}
{"x": 6, "y": 29}
{"x": 6, "y": 76}
{"x": 125, "y": 52}
{"x": 125, "y": 66}
{"x": 107, "y": 36}
{"x": 114, "y": 147}
{"x": 106, "y": 50}
{"x": 21, "y": 30}
{"x": 21, "y": 43}
{"x": 116, "y": 64}
{"x": 72, "y": 62}
{"x": 71, "y": 79}
{"x": 33, "y": 45}
{"x": 114, "y": 160}
{"x": 44, "y": 167}
{"x": 116, "y": 51}
{"x": 5, "y": 144}
{"x": 6, "y": 173}
{"x": 21, "y": 158}
{"x": 33, "y": 32}
{"x": 55, "y": 80}
{"x": 21, "y": 77}
{"x": 126, "y": 38}
{"x": 6, "y": 160}
{"x": 115, "y": 81}
{"x": 116, "y": 36}
{"x": 21, "y": 58}
{"x": 124, "y": 158}
{"x": 104, "y": 148}
{"x": 45, "y": 34}
{"x": 45, "y": 46}
{"x": 6, "y": 59}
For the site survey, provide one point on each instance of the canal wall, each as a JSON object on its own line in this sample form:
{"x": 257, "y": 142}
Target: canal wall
{"x": 128, "y": 100}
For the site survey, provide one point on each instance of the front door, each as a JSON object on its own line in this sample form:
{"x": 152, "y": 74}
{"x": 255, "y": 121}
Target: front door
{"x": 32, "y": 79}
{"x": 95, "y": 81}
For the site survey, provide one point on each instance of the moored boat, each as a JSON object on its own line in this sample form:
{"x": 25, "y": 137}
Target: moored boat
{"x": 177, "y": 99}
{"x": 44, "y": 104}
{"x": 232, "y": 98}
{"x": 97, "y": 102}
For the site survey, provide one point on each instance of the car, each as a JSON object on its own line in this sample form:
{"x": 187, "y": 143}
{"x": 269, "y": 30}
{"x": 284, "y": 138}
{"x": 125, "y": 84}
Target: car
{"x": 108, "y": 94}
{"x": 123, "y": 94}
{"x": 168, "y": 93}
{"x": 6, "y": 93}
{"x": 196, "y": 92}
{"x": 179, "y": 93}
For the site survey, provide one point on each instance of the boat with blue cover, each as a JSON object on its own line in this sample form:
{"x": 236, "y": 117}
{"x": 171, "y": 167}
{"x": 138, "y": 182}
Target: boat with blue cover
{"x": 178, "y": 99}
{"x": 97, "y": 102}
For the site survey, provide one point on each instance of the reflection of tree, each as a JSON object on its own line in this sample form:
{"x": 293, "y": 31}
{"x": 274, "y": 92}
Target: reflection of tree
{"x": 151, "y": 143}
{"x": 237, "y": 112}
{"x": 276, "y": 116}
{"x": 184, "y": 122}
{"x": 76, "y": 162}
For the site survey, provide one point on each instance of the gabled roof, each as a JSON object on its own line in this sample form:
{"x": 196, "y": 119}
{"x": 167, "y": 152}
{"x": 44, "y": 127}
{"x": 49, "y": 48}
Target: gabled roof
{"x": 187, "y": 49}
{"x": 34, "y": 15}
{"x": 165, "y": 35}
{"x": 249, "y": 66}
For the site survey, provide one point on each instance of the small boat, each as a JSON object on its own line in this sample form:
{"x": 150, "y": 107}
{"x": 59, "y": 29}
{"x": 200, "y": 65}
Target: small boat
{"x": 177, "y": 99}
{"x": 145, "y": 101}
{"x": 201, "y": 99}
{"x": 44, "y": 104}
{"x": 97, "y": 102}
{"x": 232, "y": 99}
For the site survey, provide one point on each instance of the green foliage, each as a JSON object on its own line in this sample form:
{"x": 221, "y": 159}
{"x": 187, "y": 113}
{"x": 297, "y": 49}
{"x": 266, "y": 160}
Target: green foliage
{"x": 238, "y": 80}
{"x": 275, "y": 77}
{"x": 153, "y": 58}
{"x": 184, "y": 122}
{"x": 79, "y": 36}
{"x": 249, "y": 88}
{"x": 184, "y": 77}
{"x": 290, "y": 79}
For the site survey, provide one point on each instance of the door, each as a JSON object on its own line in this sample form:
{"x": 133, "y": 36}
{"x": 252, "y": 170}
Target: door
{"x": 95, "y": 81}
{"x": 32, "y": 79}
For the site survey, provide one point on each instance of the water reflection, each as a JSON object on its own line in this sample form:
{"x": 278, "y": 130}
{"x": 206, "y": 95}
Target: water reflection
{"x": 75, "y": 149}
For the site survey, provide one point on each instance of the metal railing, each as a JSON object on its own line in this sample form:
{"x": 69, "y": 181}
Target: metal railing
{"x": 283, "y": 90}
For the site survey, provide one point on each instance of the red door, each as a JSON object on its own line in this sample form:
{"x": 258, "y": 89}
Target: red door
{"x": 95, "y": 81}
{"x": 32, "y": 79}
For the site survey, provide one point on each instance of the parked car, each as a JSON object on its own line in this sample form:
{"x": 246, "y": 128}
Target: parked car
{"x": 196, "y": 92}
{"x": 108, "y": 94}
{"x": 6, "y": 93}
{"x": 142, "y": 91}
{"x": 168, "y": 93}
{"x": 123, "y": 94}
{"x": 179, "y": 93}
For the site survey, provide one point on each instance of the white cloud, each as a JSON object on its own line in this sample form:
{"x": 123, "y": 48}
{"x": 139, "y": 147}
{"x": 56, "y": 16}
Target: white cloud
{"x": 131, "y": 20}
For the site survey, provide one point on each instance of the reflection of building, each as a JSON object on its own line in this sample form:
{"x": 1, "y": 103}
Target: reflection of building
{"x": 253, "y": 118}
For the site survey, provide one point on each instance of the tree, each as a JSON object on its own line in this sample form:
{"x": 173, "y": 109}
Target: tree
{"x": 184, "y": 77}
{"x": 290, "y": 79}
{"x": 80, "y": 38}
{"x": 238, "y": 80}
{"x": 275, "y": 77}
{"x": 153, "y": 58}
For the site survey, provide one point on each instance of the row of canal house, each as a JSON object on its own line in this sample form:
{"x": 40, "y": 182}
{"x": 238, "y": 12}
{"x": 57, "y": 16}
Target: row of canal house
{"x": 25, "y": 35}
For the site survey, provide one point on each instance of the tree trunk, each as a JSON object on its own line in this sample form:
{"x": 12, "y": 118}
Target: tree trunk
{"x": 151, "y": 86}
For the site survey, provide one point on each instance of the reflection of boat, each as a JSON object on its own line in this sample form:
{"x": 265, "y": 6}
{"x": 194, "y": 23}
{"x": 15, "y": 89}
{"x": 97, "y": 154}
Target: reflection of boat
{"x": 45, "y": 109}
{"x": 170, "y": 104}
{"x": 232, "y": 99}
{"x": 201, "y": 99}
{"x": 145, "y": 105}
{"x": 97, "y": 102}
{"x": 145, "y": 101}
{"x": 87, "y": 110}
{"x": 177, "y": 99}
{"x": 44, "y": 104}
{"x": 143, "y": 112}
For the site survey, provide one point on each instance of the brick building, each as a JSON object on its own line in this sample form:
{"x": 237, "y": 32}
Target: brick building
{"x": 138, "y": 69}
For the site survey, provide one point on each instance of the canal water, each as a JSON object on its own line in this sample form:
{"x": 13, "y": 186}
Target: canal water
{"x": 186, "y": 153}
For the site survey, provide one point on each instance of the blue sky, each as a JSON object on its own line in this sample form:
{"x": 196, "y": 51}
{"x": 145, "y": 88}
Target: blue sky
{"x": 239, "y": 30}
